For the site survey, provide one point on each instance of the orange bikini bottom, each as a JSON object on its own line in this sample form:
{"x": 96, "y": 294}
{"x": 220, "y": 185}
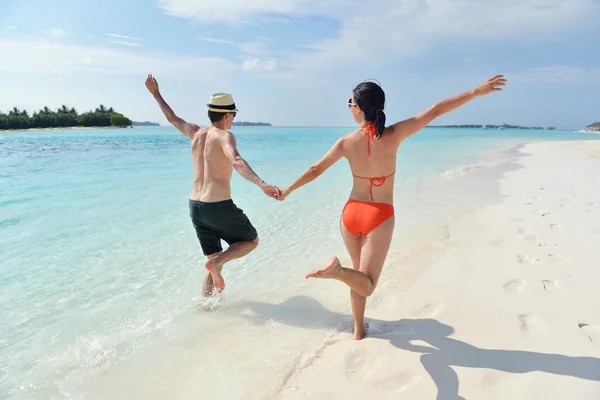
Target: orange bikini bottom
{"x": 361, "y": 217}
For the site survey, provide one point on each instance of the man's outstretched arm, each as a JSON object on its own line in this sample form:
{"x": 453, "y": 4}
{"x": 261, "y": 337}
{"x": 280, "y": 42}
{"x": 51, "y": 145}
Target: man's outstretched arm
{"x": 188, "y": 129}
{"x": 229, "y": 146}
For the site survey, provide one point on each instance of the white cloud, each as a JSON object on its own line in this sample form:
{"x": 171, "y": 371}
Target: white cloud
{"x": 124, "y": 43}
{"x": 244, "y": 11}
{"x": 372, "y": 32}
{"x": 211, "y": 39}
{"x": 56, "y": 32}
{"x": 256, "y": 64}
{"x": 413, "y": 27}
{"x": 12, "y": 27}
{"x": 559, "y": 74}
{"x": 42, "y": 57}
{"x": 256, "y": 47}
{"x": 256, "y": 52}
{"x": 277, "y": 20}
{"x": 129, "y": 38}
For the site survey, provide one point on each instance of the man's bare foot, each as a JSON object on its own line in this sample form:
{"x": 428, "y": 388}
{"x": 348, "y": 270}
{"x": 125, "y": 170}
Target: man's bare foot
{"x": 217, "y": 279}
{"x": 207, "y": 285}
{"x": 331, "y": 270}
{"x": 361, "y": 332}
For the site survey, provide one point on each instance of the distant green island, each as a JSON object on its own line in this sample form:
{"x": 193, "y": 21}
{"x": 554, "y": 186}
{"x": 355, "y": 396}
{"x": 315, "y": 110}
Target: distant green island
{"x": 145, "y": 123}
{"x": 63, "y": 117}
{"x": 504, "y": 126}
{"x": 246, "y": 123}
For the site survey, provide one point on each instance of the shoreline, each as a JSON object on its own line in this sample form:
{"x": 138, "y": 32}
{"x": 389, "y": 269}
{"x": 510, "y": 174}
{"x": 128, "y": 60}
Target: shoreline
{"x": 587, "y": 131}
{"x": 511, "y": 277}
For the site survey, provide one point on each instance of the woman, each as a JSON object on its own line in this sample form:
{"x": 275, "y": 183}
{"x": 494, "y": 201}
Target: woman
{"x": 367, "y": 221}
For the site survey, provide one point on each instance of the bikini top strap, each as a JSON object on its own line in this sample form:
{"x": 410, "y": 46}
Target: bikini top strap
{"x": 370, "y": 132}
{"x": 376, "y": 181}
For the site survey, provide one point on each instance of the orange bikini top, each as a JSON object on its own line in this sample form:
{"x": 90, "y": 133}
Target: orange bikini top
{"x": 370, "y": 131}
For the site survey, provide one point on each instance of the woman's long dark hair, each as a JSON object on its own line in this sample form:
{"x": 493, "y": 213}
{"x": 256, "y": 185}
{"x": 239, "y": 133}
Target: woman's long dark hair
{"x": 370, "y": 97}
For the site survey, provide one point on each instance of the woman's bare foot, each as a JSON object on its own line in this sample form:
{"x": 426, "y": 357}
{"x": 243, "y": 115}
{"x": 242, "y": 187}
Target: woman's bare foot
{"x": 331, "y": 270}
{"x": 361, "y": 332}
{"x": 217, "y": 279}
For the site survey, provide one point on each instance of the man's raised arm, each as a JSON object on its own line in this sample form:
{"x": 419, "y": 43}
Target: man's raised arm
{"x": 188, "y": 129}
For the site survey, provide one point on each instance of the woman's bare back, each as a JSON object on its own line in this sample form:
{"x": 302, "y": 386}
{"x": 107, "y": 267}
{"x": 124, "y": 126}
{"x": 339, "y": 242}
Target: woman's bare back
{"x": 380, "y": 163}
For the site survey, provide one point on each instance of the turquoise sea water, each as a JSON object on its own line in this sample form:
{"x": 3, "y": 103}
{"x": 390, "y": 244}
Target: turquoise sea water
{"x": 100, "y": 269}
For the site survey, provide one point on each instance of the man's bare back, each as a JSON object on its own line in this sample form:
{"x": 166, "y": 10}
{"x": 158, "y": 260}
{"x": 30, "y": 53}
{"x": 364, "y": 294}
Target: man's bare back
{"x": 214, "y": 215}
{"x": 212, "y": 168}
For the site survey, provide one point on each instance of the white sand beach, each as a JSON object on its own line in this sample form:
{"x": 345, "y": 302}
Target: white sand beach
{"x": 511, "y": 310}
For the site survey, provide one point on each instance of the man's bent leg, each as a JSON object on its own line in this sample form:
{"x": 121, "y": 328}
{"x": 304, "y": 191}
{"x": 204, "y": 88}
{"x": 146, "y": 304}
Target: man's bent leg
{"x": 215, "y": 265}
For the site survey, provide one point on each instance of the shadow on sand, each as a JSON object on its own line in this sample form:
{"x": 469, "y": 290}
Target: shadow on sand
{"x": 438, "y": 360}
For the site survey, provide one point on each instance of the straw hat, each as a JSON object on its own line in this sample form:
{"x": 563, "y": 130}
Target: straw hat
{"x": 221, "y": 102}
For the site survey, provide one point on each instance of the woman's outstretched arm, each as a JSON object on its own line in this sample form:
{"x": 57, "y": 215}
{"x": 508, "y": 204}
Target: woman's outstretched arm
{"x": 406, "y": 128}
{"x": 331, "y": 157}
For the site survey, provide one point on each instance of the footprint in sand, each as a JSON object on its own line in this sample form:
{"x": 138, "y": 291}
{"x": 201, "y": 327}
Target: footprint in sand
{"x": 355, "y": 361}
{"x": 532, "y": 324}
{"x": 428, "y": 311}
{"x": 592, "y": 332}
{"x": 398, "y": 382}
{"x": 531, "y": 237}
{"x": 552, "y": 286}
{"x": 555, "y": 226}
{"x": 555, "y": 257}
{"x": 497, "y": 378}
{"x": 387, "y": 330}
{"x": 514, "y": 286}
{"x": 527, "y": 259}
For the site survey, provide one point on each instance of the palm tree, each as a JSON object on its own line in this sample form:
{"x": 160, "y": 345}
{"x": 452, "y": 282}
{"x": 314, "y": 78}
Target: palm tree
{"x": 45, "y": 110}
{"x": 63, "y": 109}
{"x": 101, "y": 109}
{"x": 14, "y": 111}
{"x": 72, "y": 110}
{"x": 111, "y": 110}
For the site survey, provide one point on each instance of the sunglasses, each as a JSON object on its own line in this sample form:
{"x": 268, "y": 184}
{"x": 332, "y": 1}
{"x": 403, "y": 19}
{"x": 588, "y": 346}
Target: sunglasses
{"x": 351, "y": 104}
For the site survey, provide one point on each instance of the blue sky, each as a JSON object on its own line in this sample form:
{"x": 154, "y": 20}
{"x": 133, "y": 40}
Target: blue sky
{"x": 295, "y": 62}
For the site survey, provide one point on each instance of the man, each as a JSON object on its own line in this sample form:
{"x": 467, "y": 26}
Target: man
{"x": 213, "y": 213}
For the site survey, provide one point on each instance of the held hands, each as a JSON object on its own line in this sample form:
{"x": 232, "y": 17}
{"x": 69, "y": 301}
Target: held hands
{"x": 275, "y": 192}
{"x": 271, "y": 191}
{"x": 285, "y": 192}
{"x": 152, "y": 85}
{"x": 494, "y": 84}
